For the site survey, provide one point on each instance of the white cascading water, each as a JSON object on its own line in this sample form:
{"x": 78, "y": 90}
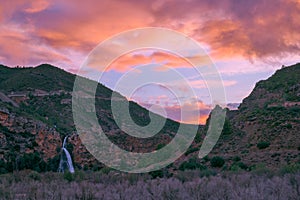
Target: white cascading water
{"x": 69, "y": 159}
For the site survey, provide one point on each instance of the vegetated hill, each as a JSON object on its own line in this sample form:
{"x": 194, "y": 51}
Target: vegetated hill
{"x": 35, "y": 116}
{"x": 44, "y": 77}
{"x": 266, "y": 128}
{"x": 36, "y": 113}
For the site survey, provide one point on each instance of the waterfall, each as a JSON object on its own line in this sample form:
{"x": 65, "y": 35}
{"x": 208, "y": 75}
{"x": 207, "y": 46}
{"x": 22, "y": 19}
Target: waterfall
{"x": 69, "y": 160}
{"x": 68, "y": 157}
{"x": 64, "y": 143}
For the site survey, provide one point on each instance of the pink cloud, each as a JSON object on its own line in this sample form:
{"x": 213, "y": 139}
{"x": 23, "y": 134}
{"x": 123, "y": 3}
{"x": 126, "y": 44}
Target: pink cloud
{"x": 213, "y": 83}
{"x": 37, "y": 6}
{"x": 252, "y": 29}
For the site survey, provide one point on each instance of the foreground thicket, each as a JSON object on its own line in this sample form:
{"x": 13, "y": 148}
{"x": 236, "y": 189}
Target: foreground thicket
{"x": 186, "y": 185}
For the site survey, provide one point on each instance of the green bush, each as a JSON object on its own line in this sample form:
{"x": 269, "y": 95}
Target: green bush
{"x": 52, "y": 163}
{"x": 159, "y": 146}
{"x": 198, "y": 137}
{"x": 191, "y": 164}
{"x": 3, "y": 167}
{"x": 206, "y": 158}
{"x": 69, "y": 176}
{"x": 35, "y": 176}
{"x": 31, "y": 161}
{"x": 263, "y": 144}
{"x": 242, "y": 165}
{"x": 289, "y": 126}
{"x": 236, "y": 159}
{"x": 191, "y": 150}
{"x": 156, "y": 174}
{"x": 238, "y": 166}
{"x": 217, "y": 161}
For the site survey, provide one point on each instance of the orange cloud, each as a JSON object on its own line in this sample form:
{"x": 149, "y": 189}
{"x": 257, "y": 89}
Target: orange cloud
{"x": 149, "y": 56}
{"x": 18, "y": 48}
{"x": 226, "y": 38}
{"x": 196, "y": 111}
{"x": 202, "y": 119}
{"x": 85, "y": 25}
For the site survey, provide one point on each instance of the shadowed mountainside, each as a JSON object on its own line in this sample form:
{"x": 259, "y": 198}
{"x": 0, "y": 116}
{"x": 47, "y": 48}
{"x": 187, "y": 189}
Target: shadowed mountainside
{"x": 36, "y": 113}
{"x": 266, "y": 127}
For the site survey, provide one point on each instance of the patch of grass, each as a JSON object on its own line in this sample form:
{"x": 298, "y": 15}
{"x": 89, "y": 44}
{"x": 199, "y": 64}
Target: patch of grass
{"x": 290, "y": 169}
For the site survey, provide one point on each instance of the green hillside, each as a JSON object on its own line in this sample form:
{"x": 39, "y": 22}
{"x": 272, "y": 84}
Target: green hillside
{"x": 263, "y": 131}
{"x": 47, "y": 109}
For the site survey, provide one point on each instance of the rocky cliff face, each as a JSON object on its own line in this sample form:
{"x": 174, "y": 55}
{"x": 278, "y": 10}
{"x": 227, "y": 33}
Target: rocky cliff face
{"x": 21, "y": 136}
{"x": 22, "y": 129}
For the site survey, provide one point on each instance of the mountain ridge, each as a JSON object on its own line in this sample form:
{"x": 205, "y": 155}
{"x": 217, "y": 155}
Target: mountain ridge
{"x": 263, "y": 130}
{"x": 46, "y": 102}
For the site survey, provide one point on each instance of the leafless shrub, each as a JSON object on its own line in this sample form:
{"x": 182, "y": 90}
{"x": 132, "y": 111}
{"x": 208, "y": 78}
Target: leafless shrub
{"x": 120, "y": 186}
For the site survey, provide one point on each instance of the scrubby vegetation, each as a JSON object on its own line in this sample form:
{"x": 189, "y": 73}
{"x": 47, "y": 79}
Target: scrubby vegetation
{"x": 217, "y": 161}
{"x": 185, "y": 185}
{"x": 192, "y": 163}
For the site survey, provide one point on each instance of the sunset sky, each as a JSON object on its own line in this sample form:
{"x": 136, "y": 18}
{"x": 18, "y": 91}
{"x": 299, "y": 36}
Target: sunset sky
{"x": 247, "y": 40}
